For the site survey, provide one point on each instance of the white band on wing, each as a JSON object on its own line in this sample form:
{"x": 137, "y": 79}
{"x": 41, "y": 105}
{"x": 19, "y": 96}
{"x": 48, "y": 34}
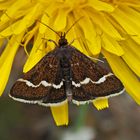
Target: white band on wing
{"x": 97, "y": 98}
{"x": 44, "y": 83}
{"x": 40, "y": 102}
{"x": 87, "y": 80}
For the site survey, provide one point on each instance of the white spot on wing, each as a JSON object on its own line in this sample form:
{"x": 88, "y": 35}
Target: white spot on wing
{"x": 44, "y": 83}
{"x": 76, "y": 84}
{"x": 87, "y": 80}
{"x": 50, "y": 66}
{"x": 58, "y": 86}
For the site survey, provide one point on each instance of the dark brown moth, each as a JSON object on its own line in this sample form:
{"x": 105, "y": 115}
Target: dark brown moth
{"x": 64, "y": 73}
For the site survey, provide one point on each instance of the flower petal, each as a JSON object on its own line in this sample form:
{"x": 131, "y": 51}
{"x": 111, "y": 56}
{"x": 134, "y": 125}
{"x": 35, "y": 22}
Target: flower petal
{"x": 123, "y": 72}
{"x": 29, "y": 19}
{"x": 131, "y": 13}
{"x": 101, "y": 103}
{"x": 8, "y": 57}
{"x": 60, "y": 114}
{"x": 5, "y": 4}
{"x": 100, "y": 5}
{"x": 60, "y": 19}
{"x": 112, "y": 45}
{"x": 75, "y": 35}
{"x": 136, "y": 38}
{"x": 30, "y": 35}
{"x": 131, "y": 57}
{"x": 45, "y": 20}
{"x": 133, "y": 46}
{"x": 37, "y": 52}
{"x": 12, "y": 10}
{"x": 4, "y": 55}
{"x": 104, "y": 24}
{"x": 126, "y": 22}
{"x": 133, "y": 3}
{"x": 90, "y": 34}
{"x": 9, "y": 30}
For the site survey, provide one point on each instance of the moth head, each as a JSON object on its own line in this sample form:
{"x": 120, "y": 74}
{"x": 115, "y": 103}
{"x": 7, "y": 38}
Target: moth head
{"x": 62, "y": 41}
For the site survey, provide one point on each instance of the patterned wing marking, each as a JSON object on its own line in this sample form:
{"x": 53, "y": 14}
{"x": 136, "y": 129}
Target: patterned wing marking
{"x": 43, "y": 83}
{"x": 91, "y": 79}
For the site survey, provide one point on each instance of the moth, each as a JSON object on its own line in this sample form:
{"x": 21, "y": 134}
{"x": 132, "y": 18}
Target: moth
{"x": 64, "y": 74}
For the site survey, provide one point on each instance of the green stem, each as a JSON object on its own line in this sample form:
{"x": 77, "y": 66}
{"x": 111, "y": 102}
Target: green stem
{"x": 80, "y": 121}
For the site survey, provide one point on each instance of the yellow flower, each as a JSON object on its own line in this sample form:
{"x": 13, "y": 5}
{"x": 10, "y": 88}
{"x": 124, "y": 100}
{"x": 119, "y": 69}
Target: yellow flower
{"x": 110, "y": 27}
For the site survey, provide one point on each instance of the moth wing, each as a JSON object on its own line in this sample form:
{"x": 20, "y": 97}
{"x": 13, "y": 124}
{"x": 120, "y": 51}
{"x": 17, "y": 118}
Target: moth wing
{"x": 42, "y": 84}
{"x": 90, "y": 80}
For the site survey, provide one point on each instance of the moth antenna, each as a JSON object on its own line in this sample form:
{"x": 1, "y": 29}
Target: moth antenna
{"x": 49, "y": 27}
{"x": 73, "y": 25}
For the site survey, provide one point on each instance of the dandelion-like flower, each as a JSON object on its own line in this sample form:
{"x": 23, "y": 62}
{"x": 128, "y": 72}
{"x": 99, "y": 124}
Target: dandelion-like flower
{"x": 110, "y": 27}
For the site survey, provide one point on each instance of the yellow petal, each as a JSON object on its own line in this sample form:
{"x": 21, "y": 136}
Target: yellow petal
{"x": 51, "y": 6}
{"x": 112, "y": 45}
{"x": 48, "y": 33}
{"x": 9, "y": 30}
{"x": 131, "y": 13}
{"x": 29, "y": 19}
{"x": 76, "y": 43}
{"x": 123, "y": 72}
{"x": 104, "y": 24}
{"x": 6, "y": 4}
{"x": 37, "y": 52}
{"x": 42, "y": 27}
{"x": 92, "y": 42}
{"x": 128, "y": 24}
{"x": 61, "y": 19}
{"x": 133, "y": 46}
{"x": 3, "y": 56}
{"x": 7, "y": 63}
{"x": 76, "y": 35}
{"x": 132, "y": 58}
{"x": 12, "y": 10}
{"x": 30, "y": 35}
{"x": 101, "y": 103}
{"x": 60, "y": 114}
{"x": 136, "y": 38}
{"x": 101, "y": 6}
{"x": 130, "y": 3}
